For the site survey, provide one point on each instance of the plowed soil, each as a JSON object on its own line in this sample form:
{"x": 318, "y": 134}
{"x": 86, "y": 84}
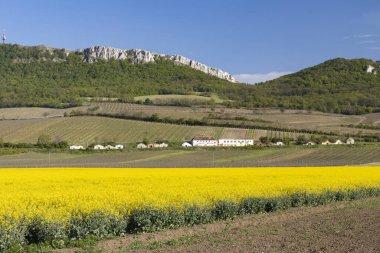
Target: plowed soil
{"x": 340, "y": 227}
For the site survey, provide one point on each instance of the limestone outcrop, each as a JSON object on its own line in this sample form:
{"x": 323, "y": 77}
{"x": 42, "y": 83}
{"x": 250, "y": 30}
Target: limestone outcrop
{"x": 139, "y": 56}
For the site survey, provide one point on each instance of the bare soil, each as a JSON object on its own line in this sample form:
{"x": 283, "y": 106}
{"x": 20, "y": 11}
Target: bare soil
{"x": 339, "y": 227}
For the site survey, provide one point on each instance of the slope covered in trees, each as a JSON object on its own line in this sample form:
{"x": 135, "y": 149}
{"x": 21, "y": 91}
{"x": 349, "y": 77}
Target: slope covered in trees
{"x": 339, "y": 85}
{"x": 40, "y": 76}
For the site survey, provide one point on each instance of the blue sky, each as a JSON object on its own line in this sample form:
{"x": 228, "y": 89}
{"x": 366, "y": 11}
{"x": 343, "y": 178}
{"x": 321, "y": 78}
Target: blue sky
{"x": 261, "y": 39}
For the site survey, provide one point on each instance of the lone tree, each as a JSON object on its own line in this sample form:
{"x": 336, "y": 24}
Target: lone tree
{"x": 44, "y": 140}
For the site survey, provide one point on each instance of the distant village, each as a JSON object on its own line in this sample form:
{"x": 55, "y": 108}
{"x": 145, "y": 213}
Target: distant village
{"x": 209, "y": 141}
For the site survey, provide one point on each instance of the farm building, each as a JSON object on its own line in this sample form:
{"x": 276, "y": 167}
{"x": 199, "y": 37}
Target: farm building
{"x": 186, "y": 145}
{"x": 109, "y": 147}
{"x": 338, "y": 142}
{"x": 99, "y": 147}
{"x": 310, "y": 143}
{"x": 235, "y": 142}
{"x": 204, "y": 141}
{"x": 326, "y": 143}
{"x": 119, "y": 146}
{"x": 279, "y": 143}
{"x": 350, "y": 141}
{"x": 76, "y": 147}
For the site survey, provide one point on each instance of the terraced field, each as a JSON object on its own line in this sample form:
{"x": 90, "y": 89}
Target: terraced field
{"x": 230, "y": 133}
{"x": 147, "y": 110}
{"x": 85, "y": 130}
{"x": 292, "y": 119}
{"x": 34, "y": 112}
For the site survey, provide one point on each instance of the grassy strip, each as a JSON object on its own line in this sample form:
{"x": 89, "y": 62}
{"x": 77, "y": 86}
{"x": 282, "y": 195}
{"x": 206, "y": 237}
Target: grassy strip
{"x": 37, "y": 233}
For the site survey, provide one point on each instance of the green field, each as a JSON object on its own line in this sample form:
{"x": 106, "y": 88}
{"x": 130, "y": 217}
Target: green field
{"x": 257, "y": 118}
{"x": 293, "y": 156}
{"x": 292, "y": 119}
{"x": 85, "y": 130}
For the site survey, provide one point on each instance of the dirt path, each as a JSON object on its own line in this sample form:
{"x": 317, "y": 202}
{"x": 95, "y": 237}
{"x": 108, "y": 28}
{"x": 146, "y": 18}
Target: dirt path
{"x": 340, "y": 227}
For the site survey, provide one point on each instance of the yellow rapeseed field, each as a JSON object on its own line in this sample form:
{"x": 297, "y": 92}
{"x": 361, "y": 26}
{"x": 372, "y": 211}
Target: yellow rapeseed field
{"x": 55, "y": 193}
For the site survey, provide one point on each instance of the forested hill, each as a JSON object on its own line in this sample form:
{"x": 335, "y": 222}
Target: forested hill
{"x": 41, "y": 76}
{"x": 338, "y": 85}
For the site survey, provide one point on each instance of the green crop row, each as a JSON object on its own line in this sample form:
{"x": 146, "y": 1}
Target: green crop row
{"x": 100, "y": 225}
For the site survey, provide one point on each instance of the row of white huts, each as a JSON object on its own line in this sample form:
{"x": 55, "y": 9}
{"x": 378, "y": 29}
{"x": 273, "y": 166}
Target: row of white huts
{"x": 212, "y": 142}
{"x": 99, "y": 147}
{"x": 349, "y": 141}
{"x": 208, "y": 141}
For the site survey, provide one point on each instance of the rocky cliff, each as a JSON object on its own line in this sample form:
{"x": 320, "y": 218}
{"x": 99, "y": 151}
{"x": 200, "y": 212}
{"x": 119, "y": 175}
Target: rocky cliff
{"x": 137, "y": 56}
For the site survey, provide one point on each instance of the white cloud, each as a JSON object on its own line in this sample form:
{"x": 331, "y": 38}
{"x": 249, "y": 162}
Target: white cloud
{"x": 257, "y": 78}
{"x": 366, "y": 35}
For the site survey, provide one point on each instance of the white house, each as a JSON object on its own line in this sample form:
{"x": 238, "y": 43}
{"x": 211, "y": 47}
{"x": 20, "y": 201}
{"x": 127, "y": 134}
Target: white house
{"x": 338, "y": 142}
{"x": 350, "y": 141}
{"x": 204, "y": 141}
{"x": 235, "y": 142}
{"x": 141, "y": 145}
{"x": 119, "y": 146}
{"x": 109, "y": 147}
{"x": 186, "y": 145}
{"x": 310, "y": 143}
{"x": 99, "y": 147}
{"x": 76, "y": 147}
{"x": 370, "y": 69}
{"x": 326, "y": 143}
{"x": 279, "y": 143}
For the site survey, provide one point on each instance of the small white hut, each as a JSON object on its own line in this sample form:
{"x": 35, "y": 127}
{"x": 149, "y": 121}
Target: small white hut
{"x": 186, "y": 145}
{"x": 76, "y": 147}
{"x": 141, "y": 145}
{"x": 119, "y": 146}
{"x": 99, "y": 147}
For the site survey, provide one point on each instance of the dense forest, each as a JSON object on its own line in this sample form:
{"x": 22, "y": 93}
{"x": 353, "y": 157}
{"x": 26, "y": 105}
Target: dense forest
{"x": 339, "y": 86}
{"x": 40, "y": 76}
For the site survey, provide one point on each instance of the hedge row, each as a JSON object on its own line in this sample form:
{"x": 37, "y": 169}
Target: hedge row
{"x": 100, "y": 225}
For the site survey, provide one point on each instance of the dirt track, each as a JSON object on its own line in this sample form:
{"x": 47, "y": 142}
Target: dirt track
{"x": 340, "y": 227}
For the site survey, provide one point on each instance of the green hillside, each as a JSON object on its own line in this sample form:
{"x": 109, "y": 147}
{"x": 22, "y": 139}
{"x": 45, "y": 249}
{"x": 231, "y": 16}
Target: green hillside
{"x": 40, "y": 76}
{"x": 338, "y": 86}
